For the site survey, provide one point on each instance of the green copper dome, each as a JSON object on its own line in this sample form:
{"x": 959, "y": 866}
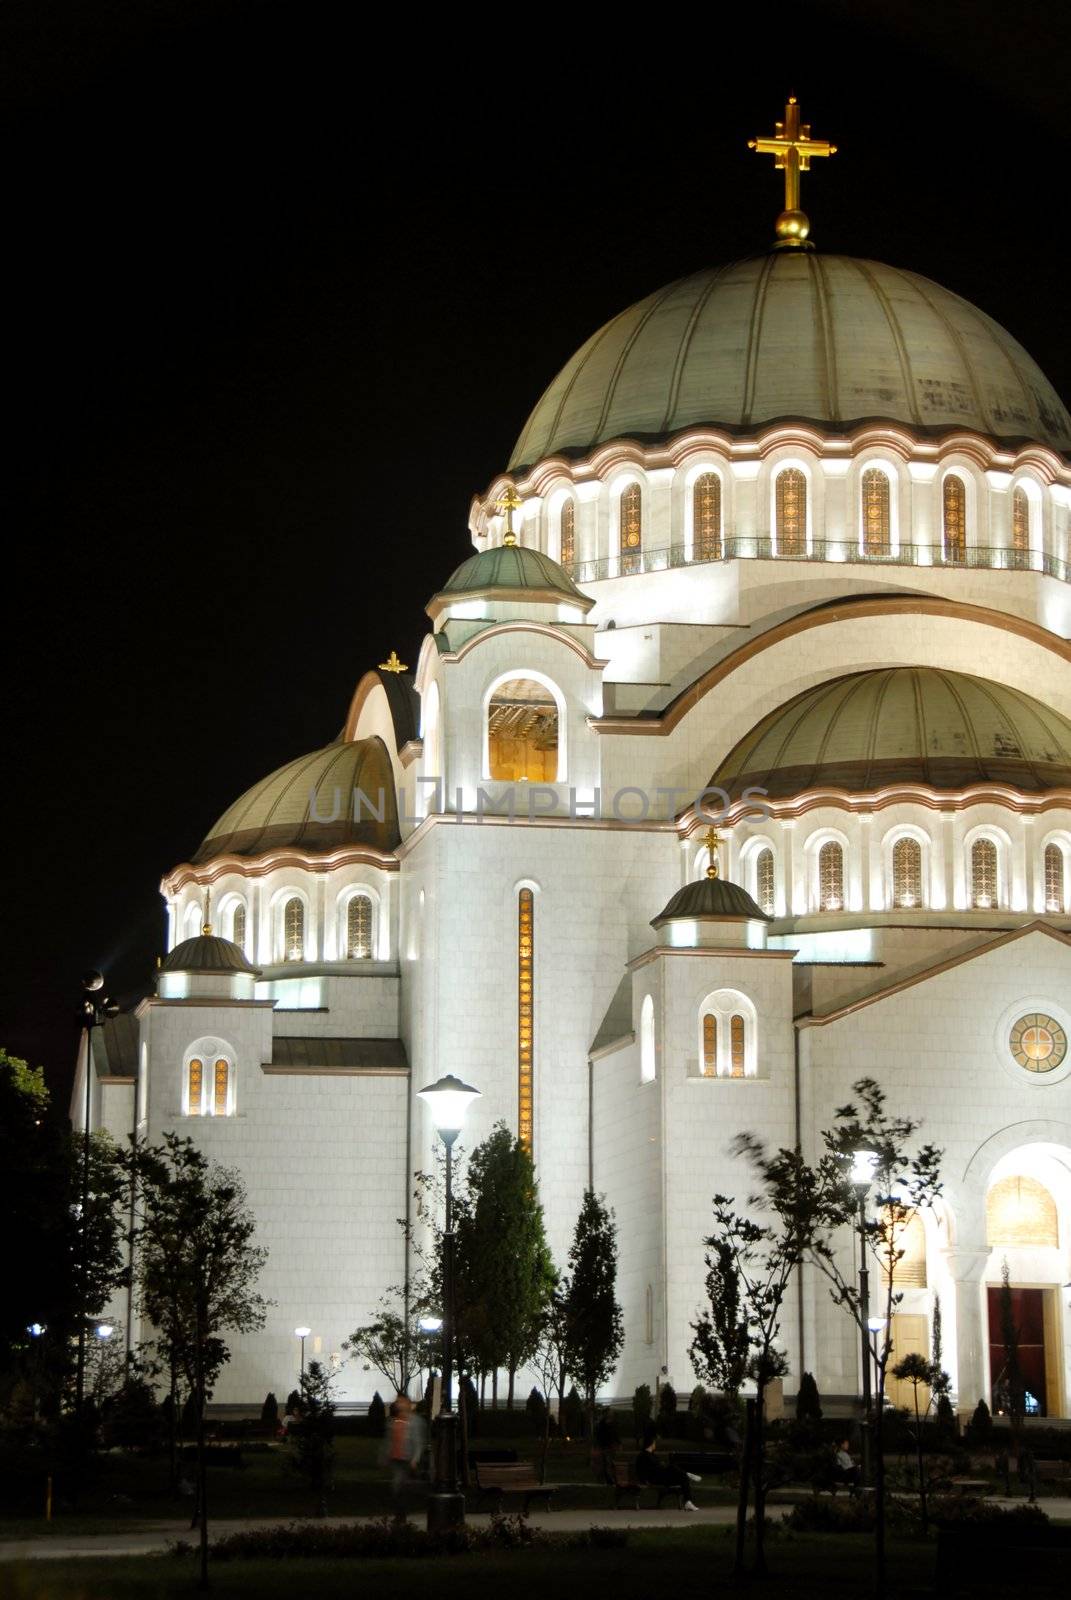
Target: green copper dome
{"x": 309, "y": 805}
{"x": 710, "y": 899}
{"x": 902, "y": 725}
{"x": 511, "y": 572}
{"x": 795, "y": 335}
{"x": 206, "y": 953}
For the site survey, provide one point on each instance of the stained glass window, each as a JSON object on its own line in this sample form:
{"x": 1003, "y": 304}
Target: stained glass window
{"x": 1020, "y": 521}
{"x": 710, "y": 1045}
{"x": 737, "y": 1033}
{"x": 359, "y": 928}
{"x": 195, "y": 1077}
{"x": 1038, "y": 1042}
{"x": 907, "y": 874}
{"x": 955, "y": 519}
{"x": 791, "y": 497}
{"x": 631, "y": 513}
{"x": 294, "y": 930}
{"x": 525, "y": 1014}
{"x": 220, "y": 1086}
{"x": 764, "y": 880}
{"x": 983, "y": 874}
{"x": 1054, "y": 878}
{"x": 877, "y": 531}
{"x": 238, "y": 925}
{"x": 830, "y": 877}
{"x": 706, "y": 518}
{"x": 568, "y": 533}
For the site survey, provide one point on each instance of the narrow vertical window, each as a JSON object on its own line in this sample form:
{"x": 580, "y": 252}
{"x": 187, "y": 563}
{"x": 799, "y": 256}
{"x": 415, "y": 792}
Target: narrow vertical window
{"x": 359, "y": 928}
{"x": 525, "y": 1013}
{"x": 791, "y": 497}
{"x": 220, "y": 1087}
{"x": 877, "y": 529}
{"x": 1020, "y": 527}
{"x": 706, "y": 518}
{"x": 567, "y": 541}
{"x": 764, "y": 880}
{"x": 238, "y": 925}
{"x": 293, "y": 930}
{"x": 737, "y": 1035}
{"x": 710, "y": 1045}
{"x": 631, "y": 515}
{"x": 1054, "y": 878}
{"x": 907, "y": 874}
{"x": 195, "y": 1078}
{"x": 954, "y": 524}
{"x": 830, "y": 877}
{"x": 983, "y": 874}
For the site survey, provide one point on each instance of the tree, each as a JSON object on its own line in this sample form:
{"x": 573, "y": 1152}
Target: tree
{"x": 389, "y": 1344}
{"x": 197, "y": 1268}
{"x": 551, "y": 1361}
{"x": 269, "y": 1413}
{"x": 808, "y": 1400}
{"x": 314, "y": 1436}
{"x": 721, "y": 1346}
{"x": 595, "y": 1332}
{"x": 641, "y": 1410}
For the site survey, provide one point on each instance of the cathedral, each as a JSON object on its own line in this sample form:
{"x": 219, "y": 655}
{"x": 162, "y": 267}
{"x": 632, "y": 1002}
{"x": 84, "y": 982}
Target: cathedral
{"x": 735, "y": 766}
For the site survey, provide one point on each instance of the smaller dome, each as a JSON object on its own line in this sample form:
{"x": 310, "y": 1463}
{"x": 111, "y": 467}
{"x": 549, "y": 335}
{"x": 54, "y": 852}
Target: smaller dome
{"x": 710, "y": 899}
{"x": 207, "y": 953}
{"x": 510, "y": 572}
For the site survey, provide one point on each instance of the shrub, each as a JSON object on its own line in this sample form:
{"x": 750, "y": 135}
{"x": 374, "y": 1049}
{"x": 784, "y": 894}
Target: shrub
{"x": 667, "y": 1408}
{"x": 293, "y": 1401}
{"x": 831, "y": 1516}
{"x": 946, "y": 1427}
{"x": 314, "y": 1440}
{"x": 954, "y": 1510}
{"x": 377, "y": 1415}
{"x": 641, "y": 1409}
{"x": 269, "y": 1412}
{"x": 573, "y": 1415}
{"x": 535, "y": 1409}
{"x": 979, "y": 1430}
{"x": 808, "y": 1400}
{"x": 390, "y": 1537}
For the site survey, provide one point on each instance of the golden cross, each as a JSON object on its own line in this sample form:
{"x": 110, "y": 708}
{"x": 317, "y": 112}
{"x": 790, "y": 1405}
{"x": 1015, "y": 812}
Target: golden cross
{"x": 509, "y": 503}
{"x": 392, "y": 664}
{"x": 792, "y": 149}
{"x": 712, "y": 842}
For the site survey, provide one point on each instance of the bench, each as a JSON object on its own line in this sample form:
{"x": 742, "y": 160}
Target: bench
{"x": 1052, "y": 1471}
{"x": 517, "y": 1479}
{"x": 626, "y": 1486}
{"x": 975, "y": 1486}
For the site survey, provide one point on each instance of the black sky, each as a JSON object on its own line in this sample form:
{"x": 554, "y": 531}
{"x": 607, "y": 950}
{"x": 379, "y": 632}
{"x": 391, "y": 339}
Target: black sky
{"x": 282, "y": 283}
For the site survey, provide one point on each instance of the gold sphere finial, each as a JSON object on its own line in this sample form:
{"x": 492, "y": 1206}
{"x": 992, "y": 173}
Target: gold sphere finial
{"x": 509, "y": 503}
{"x": 712, "y": 842}
{"x": 792, "y": 227}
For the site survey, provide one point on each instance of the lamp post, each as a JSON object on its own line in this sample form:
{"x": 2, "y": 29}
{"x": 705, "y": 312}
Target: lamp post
{"x": 429, "y": 1327}
{"x": 864, "y": 1163}
{"x": 302, "y": 1334}
{"x": 448, "y": 1100}
{"x": 96, "y": 1009}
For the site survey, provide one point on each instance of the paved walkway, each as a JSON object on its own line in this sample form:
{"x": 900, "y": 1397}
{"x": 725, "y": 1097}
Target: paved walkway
{"x": 155, "y": 1540}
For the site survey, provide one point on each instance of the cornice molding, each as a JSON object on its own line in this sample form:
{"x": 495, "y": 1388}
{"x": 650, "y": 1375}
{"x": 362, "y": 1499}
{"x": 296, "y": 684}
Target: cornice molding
{"x": 273, "y": 861}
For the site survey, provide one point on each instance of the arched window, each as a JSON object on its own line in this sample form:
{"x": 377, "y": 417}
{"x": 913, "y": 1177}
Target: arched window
{"x": 906, "y": 874}
{"x": 647, "y": 1041}
{"x": 710, "y": 1045}
{"x": 221, "y": 1080}
{"x": 525, "y": 1014}
{"x": 1020, "y": 524}
{"x": 567, "y": 533}
{"x": 831, "y": 877}
{"x": 359, "y": 928}
{"x": 294, "y": 930}
{"x": 876, "y": 514}
{"x": 195, "y": 1080}
{"x": 238, "y": 924}
{"x": 1021, "y": 1211}
{"x": 737, "y": 1033}
{"x": 791, "y": 503}
{"x": 193, "y": 921}
{"x": 522, "y": 732}
{"x": 1055, "y": 893}
{"x": 909, "y": 1241}
{"x": 630, "y": 510}
{"x": 765, "y": 880}
{"x": 954, "y": 518}
{"x": 984, "y": 883}
{"x": 706, "y": 518}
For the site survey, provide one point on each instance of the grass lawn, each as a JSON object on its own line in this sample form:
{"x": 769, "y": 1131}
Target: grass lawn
{"x": 675, "y": 1564}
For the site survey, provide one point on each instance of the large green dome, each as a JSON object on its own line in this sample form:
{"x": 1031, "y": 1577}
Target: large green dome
{"x": 296, "y": 806}
{"x": 795, "y": 335}
{"x": 510, "y": 572}
{"x": 902, "y": 725}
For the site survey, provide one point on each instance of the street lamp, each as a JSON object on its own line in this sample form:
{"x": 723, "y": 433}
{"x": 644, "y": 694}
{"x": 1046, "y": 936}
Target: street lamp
{"x": 104, "y": 1331}
{"x": 96, "y": 1009}
{"x": 302, "y": 1334}
{"x": 864, "y": 1165}
{"x": 448, "y": 1101}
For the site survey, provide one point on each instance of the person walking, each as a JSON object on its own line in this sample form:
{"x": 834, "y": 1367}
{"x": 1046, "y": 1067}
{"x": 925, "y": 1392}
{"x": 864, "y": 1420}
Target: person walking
{"x": 404, "y": 1448}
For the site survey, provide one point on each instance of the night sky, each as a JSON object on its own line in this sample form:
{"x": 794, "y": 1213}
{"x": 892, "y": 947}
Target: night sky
{"x": 282, "y": 284}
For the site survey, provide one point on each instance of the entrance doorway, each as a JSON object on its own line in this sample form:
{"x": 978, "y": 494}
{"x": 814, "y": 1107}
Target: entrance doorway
{"x": 1031, "y": 1314}
{"x": 910, "y": 1336}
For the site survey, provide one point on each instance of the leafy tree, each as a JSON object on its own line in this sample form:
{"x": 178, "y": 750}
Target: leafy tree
{"x": 314, "y": 1436}
{"x": 721, "y": 1343}
{"x": 808, "y": 1400}
{"x": 197, "y": 1267}
{"x": 592, "y": 1314}
{"x": 389, "y": 1344}
{"x": 916, "y": 1370}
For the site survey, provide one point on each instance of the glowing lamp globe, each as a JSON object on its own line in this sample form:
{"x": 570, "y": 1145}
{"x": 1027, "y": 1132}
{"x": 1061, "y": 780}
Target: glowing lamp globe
{"x": 448, "y": 1101}
{"x": 864, "y": 1165}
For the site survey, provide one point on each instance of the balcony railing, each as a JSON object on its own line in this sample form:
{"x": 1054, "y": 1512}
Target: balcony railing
{"x": 749, "y": 547}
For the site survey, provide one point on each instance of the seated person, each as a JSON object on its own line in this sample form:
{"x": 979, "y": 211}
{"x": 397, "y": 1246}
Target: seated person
{"x": 845, "y": 1468}
{"x": 649, "y": 1469}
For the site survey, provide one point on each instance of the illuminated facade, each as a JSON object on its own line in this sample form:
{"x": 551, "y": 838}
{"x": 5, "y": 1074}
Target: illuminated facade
{"x": 819, "y": 570}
